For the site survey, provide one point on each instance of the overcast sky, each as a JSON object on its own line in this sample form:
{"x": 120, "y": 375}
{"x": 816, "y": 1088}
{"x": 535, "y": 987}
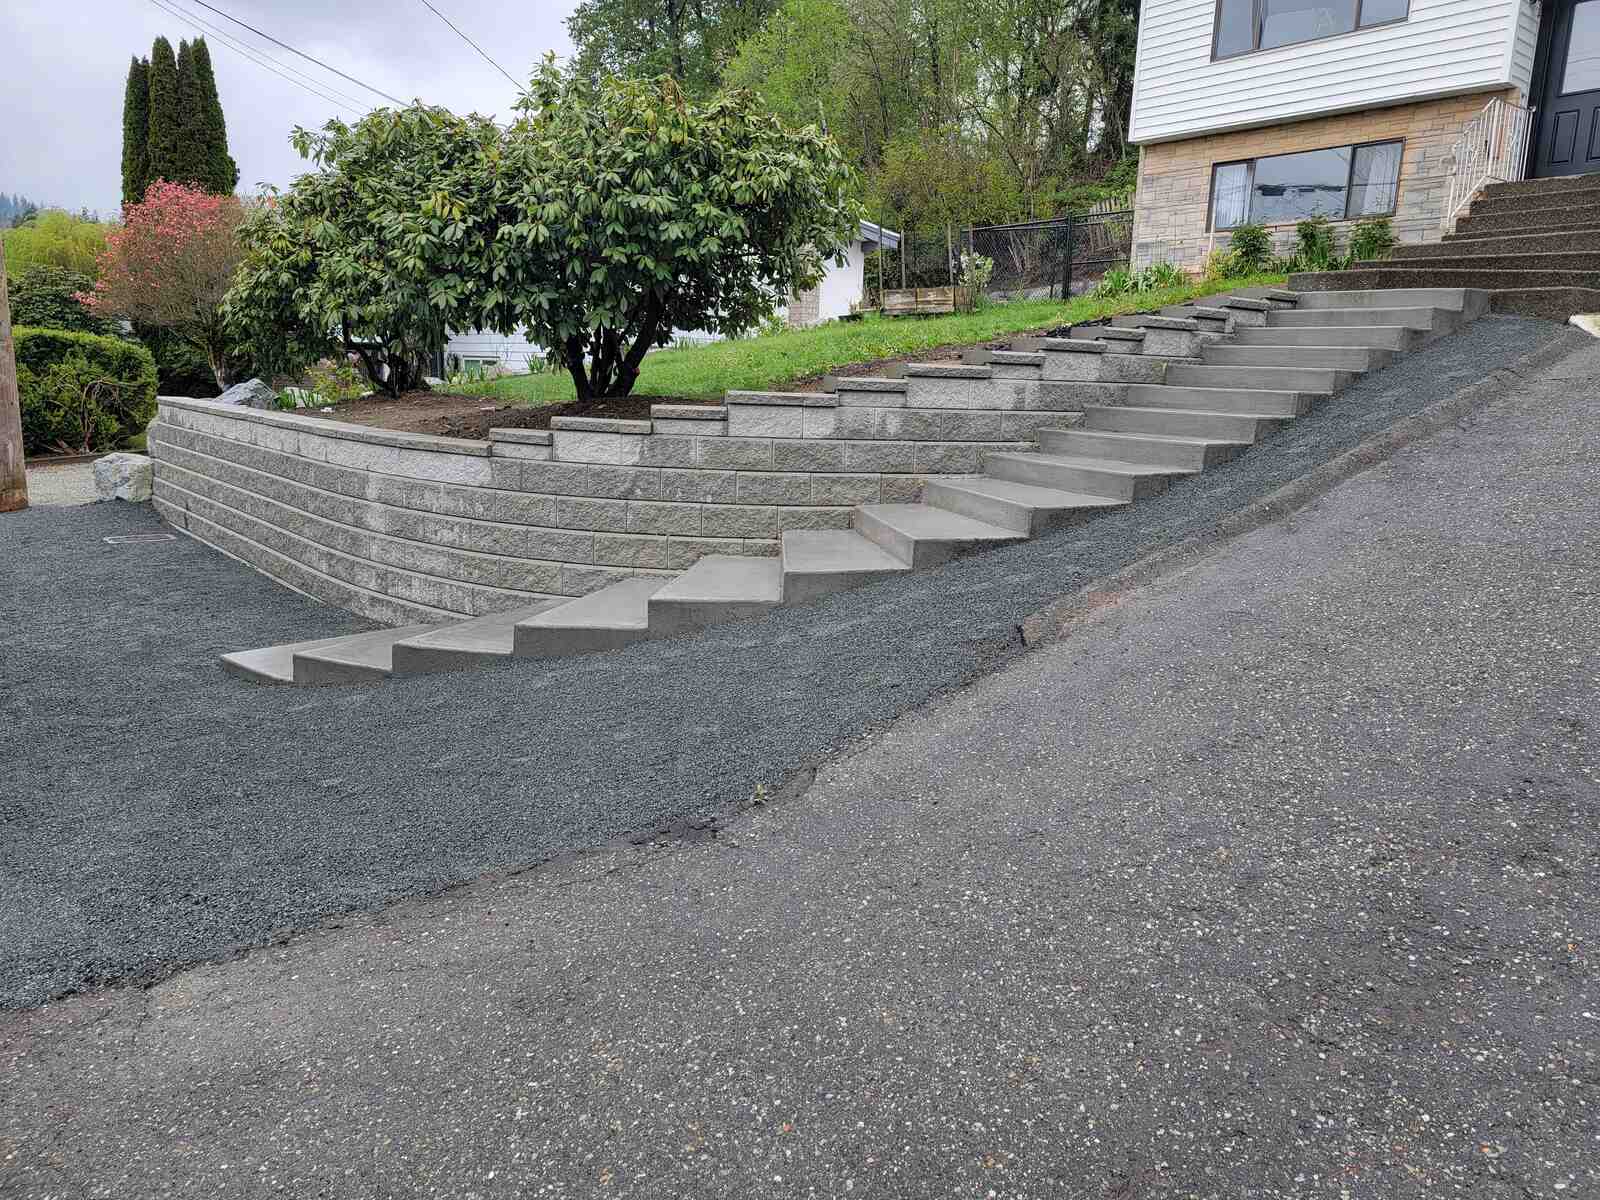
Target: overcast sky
{"x": 66, "y": 65}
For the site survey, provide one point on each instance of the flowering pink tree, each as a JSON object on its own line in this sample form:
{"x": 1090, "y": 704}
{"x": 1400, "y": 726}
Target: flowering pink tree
{"x": 169, "y": 267}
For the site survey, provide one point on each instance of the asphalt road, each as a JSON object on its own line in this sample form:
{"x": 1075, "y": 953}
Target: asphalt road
{"x": 1281, "y": 878}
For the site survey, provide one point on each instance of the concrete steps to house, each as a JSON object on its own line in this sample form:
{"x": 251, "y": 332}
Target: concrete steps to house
{"x": 1519, "y": 203}
{"x": 1564, "y": 217}
{"x": 816, "y": 562}
{"x": 464, "y": 644}
{"x": 1559, "y": 261}
{"x": 1554, "y": 241}
{"x": 1539, "y": 187}
{"x": 1024, "y": 508}
{"x": 1291, "y": 351}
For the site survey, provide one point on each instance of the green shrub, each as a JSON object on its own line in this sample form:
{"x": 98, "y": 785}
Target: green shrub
{"x": 42, "y": 298}
{"x": 1251, "y": 247}
{"x": 1159, "y": 275}
{"x": 1314, "y": 245}
{"x": 56, "y": 239}
{"x": 1118, "y": 281}
{"x": 181, "y": 368}
{"x": 1223, "y": 264}
{"x": 82, "y": 393}
{"x": 1372, "y": 239}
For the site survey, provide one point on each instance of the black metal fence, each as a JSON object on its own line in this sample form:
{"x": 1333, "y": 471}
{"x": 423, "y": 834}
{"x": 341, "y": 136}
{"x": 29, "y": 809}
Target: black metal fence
{"x": 1063, "y": 256}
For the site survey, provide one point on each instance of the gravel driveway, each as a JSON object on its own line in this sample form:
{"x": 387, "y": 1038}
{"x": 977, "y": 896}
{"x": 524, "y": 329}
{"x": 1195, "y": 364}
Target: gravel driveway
{"x": 158, "y": 813}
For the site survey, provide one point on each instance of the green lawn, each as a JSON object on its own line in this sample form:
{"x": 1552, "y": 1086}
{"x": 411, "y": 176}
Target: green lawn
{"x": 770, "y": 362}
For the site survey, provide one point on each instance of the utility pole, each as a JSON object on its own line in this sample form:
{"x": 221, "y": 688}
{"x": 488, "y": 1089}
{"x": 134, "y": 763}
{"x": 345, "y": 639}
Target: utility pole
{"x": 13, "y": 473}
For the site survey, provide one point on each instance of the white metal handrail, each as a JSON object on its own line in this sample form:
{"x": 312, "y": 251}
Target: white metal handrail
{"x": 1493, "y": 148}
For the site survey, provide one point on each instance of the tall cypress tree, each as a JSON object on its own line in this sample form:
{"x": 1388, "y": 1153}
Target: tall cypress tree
{"x": 219, "y": 174}
{"x": 166, "y": 123}
{"x": 136, "y": 132}
{"x": 191, "y": 135}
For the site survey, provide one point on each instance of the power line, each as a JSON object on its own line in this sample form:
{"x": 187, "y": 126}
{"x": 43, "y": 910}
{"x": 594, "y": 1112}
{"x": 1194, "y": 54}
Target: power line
{"x": 301, "y": 53}
{"x": 473, "y": 44}
{"x": 306, "y": 82}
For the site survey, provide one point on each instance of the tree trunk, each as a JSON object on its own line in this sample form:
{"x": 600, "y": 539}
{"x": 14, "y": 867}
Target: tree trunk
{"x": 580, "y": 378}
{"x": 13, "y": 471}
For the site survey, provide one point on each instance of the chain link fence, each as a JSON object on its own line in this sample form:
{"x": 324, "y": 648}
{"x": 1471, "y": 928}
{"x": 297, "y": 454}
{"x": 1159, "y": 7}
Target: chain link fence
{"x": 1063, "y": 256}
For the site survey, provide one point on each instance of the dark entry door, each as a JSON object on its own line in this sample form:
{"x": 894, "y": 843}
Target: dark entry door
{"x": 1569, "y": 126}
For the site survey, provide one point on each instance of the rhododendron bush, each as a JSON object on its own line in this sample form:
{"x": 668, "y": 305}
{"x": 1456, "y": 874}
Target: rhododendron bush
{"x": 170, "y": 265}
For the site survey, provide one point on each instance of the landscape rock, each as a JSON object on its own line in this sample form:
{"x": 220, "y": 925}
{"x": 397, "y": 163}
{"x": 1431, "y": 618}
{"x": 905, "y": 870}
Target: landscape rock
{"x": 252, "y": 393}
{"x": 123, "y": 477}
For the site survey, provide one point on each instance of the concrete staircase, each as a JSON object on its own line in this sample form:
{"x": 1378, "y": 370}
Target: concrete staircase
{"x": 1248, "y": 364}
{"x": 1533, "y": 246}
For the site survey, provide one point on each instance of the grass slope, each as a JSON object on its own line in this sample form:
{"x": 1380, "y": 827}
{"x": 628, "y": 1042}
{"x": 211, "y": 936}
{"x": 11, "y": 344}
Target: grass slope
{"x": 769, "y": 363}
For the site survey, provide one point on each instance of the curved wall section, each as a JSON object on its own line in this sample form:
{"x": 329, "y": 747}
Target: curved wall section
{"x": 405, "y": 528}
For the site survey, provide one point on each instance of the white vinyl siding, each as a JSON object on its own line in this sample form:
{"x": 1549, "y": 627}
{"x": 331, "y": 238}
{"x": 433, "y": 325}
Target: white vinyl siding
{"x": 1446, "y": 47}
{"x": 1523, "y": 48}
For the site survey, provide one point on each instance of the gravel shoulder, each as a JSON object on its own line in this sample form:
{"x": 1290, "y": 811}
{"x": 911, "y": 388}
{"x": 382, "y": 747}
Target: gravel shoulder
{"x": 159, "y": 814}
{"x": 1279, "y": 878}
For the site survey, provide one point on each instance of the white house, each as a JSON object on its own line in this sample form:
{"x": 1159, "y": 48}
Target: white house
{"x": 841, "y": 292}
{"x": 1275, "y": 110}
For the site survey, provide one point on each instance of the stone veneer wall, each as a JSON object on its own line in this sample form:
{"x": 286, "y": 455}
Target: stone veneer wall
{"x": 405, "y": 527}
{"x": 1172, "y": 205}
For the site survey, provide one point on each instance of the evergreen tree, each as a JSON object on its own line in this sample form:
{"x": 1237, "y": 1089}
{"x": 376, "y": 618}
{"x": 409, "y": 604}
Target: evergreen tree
{"x": 191, "y": 152}
{"x": 136, "y": 132}
{"x": 166, "y": 121}
{"x": 219, "y": 174}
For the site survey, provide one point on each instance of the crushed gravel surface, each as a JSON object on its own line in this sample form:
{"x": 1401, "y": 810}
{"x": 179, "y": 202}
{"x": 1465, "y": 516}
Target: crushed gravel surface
{"x": 157, "y": 813}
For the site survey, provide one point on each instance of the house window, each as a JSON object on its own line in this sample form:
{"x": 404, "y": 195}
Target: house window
{"x": 1246, "y": 25}
{"x": 1341, "y": 183}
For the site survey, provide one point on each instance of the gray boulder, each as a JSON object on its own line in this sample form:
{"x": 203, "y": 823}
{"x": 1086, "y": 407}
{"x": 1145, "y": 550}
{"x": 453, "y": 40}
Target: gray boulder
{"x": 252, "y": 393}
{"x": 123, "y": 477}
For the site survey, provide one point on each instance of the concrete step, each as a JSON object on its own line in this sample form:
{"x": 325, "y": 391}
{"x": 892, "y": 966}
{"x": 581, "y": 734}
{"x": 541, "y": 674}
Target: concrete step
{"x": 473, "y": 643}
{"x": 1576, "y": 233}
{"x": 1338, "y": 358}
{"x": 1554, "y": 241}
{"x": 819, "y": 561}
{"x": 1213, "y": 320}
{"x": 1428, "y": 320}
{"x": 1117, "y": 339}
{"x": 925, "y": 535}
{"x": 1535, "y": 201}
{"x": 1552, "y": 304}
{"x": 1200, "y": 399}
{"x": 1268, "y": 378}
{"x": 1022, "y": 507}
{"x": 271, "y": 664}
{"x": 1147, "y": 321}
{"x": 1533, "y": 187}
{"x": 720, "y": 587}
{"x": 614, "y": 616}
{"x": 362, "y": 658}
{"x": 1459, "y": 259}
{"x": 1182, "y": 422}
{"x": 1455, "y": 299}
{"x": 1410, "y": 273}
{"x": 868, "y": 385}
{"x": 1385, "y": 337}
{"x": 1071, "y": 473}
{"x": 1182, "y": 451}
{"x": 1522, "y": 222}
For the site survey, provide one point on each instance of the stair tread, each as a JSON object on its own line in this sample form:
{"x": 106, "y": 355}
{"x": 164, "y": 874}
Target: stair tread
{"x": 1028, "y": 493}
{"x": 492, "y": 633}
{"x": 374, "y": 650}
{"x": 831, "y": 551}
{"x": 726, "y": 577}
{"x": 1177, "y": 439}
{"x": 1200, "y": 387}
{"x": 1195, "y": 412}
{"x": 1110, "y": 466}
{"x": 624, "y": 605}
{"x": 275, "y": 662}
{"x": 926, "y": 521}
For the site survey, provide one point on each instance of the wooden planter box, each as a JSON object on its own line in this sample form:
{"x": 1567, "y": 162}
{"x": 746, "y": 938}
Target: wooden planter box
{"x": 918, "y": 302}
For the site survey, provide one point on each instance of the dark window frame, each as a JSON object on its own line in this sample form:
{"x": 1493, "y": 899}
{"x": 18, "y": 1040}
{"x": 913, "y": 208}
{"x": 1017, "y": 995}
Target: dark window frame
{"x": 1255, "y": 29}
{"x": 1349, "y": 184}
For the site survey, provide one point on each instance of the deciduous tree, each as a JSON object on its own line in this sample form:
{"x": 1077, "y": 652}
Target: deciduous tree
{"x": 169, "y": 267}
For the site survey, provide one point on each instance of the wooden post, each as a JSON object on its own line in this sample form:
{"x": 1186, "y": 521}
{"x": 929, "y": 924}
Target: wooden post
{"x": 13, "y": 472}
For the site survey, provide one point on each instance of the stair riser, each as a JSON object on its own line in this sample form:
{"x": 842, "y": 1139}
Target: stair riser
{"x": 316, "y": 672}
{"x": 1353, "y": 359}
{"x": 1555, "y": 218}
{"x": 1285, "y": 378}
{"x": 1551, "y": 304}
{"x": 1451, "y": 299}
{"x": 1555, "y": 242}
{"x": 1138, "y": 453}
{"x": 1424, "y": 320}
{"x": 1512, "y": 206}
{"x": 921, "y": 553}
{"x": 1538, "y": 187}
{"x": 1178, "y": 423}
{"x": 1247, "y": 400}
{"x": 1390, "y": 275}
{"x": 430, "y": 660}
{"x": 1020, "y": 469}
{"x": 802, "y": 586}
{"x": 561, "y": 642}
{"x": 1385, "y": 339}
{"x": 670, "y": 617}
{"x": 1453, "y": 259}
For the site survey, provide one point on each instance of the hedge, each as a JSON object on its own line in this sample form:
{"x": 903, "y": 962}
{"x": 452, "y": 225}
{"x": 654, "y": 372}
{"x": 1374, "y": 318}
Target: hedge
{"x": 82, "y": 393}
